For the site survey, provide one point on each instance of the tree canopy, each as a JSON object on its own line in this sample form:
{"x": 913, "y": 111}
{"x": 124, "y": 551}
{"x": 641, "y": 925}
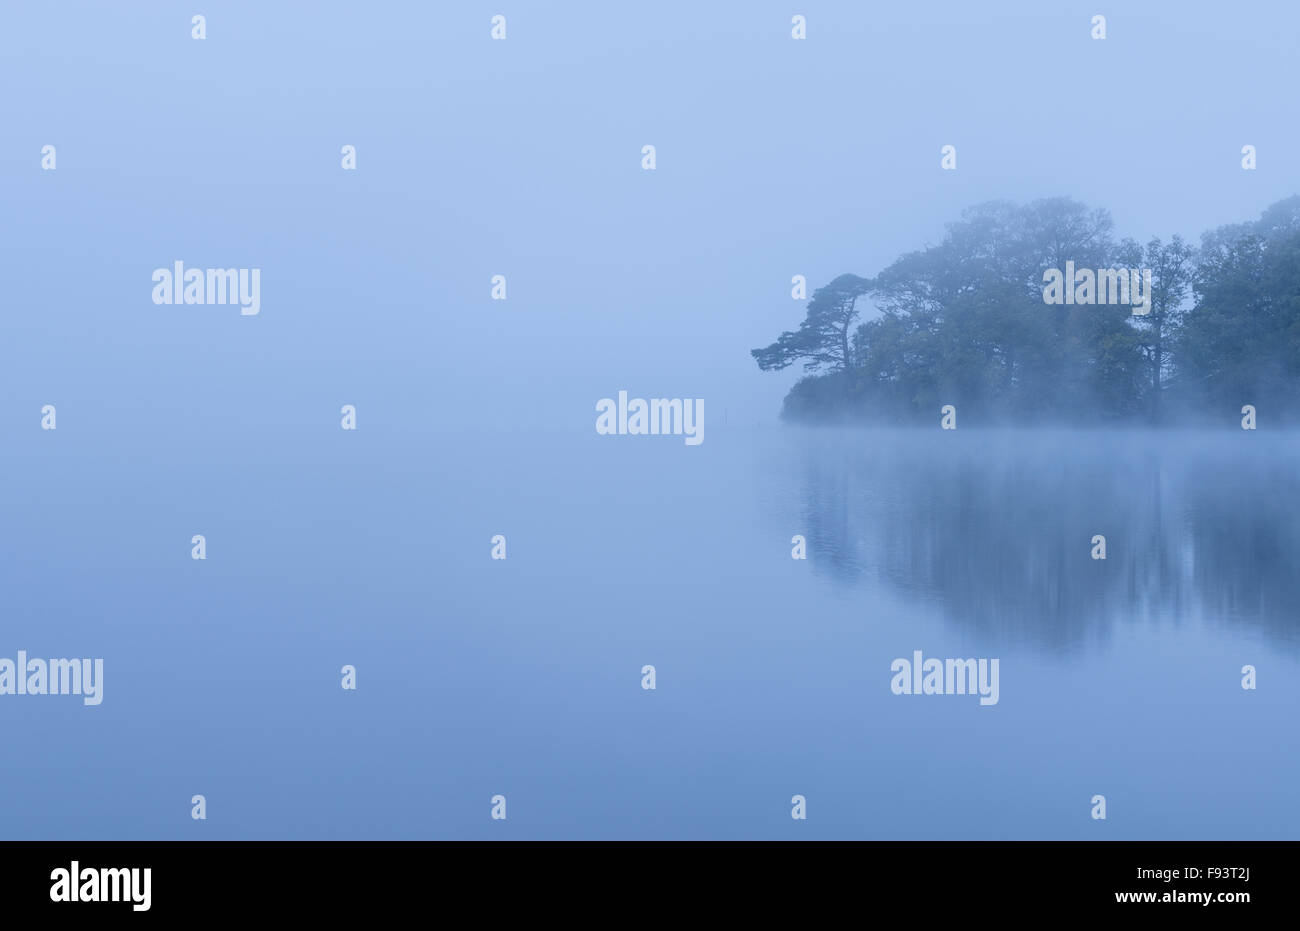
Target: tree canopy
{"x": 965, "y": 322}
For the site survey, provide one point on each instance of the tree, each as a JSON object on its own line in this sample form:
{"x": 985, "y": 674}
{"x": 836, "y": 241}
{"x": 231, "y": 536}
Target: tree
{"x": 965, "y": 322}
{"x": 1172, "y": 268}
{"x": 823, "y": 339}
{"x": 1240, "y": 343}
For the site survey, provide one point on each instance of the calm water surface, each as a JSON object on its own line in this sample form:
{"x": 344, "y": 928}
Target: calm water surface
{"x": 522, "y": 677}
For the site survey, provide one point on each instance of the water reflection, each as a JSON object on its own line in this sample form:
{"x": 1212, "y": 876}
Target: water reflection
{"x": 998, "y": 526}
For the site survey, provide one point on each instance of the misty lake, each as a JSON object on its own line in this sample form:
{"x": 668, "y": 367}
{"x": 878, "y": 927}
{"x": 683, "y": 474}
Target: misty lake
{"x": 1119, "y": 677}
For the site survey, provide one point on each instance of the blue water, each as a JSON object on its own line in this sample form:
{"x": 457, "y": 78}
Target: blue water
{"x": 522, "y": 676}
{"x": 476, "y": 417}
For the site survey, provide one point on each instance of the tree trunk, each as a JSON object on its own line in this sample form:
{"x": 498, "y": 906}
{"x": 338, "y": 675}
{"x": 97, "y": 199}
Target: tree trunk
{"x": 1157, "y": 363}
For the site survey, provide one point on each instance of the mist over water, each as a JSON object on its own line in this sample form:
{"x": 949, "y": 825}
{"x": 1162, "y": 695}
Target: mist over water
{"x": 1200, "y": 527}
{"x": 520, "y": 676}
{"x": 777, "y": 158}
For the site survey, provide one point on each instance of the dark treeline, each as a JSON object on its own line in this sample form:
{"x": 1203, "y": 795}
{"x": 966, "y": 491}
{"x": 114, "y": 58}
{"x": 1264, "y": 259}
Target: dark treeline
{"x": 965, "y": 323}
